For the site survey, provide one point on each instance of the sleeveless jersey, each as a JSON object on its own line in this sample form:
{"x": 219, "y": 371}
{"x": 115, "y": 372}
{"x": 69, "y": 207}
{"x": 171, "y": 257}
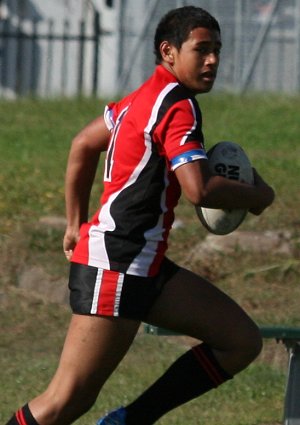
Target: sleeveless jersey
{"x": 154, "y": 130}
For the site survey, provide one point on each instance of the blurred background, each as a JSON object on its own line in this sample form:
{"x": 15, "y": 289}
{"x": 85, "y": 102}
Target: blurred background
{"x": 104, "y": 47}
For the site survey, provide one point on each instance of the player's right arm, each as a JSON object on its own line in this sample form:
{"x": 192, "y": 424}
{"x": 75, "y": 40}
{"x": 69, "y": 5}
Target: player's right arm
{"x": 81, "y": 169}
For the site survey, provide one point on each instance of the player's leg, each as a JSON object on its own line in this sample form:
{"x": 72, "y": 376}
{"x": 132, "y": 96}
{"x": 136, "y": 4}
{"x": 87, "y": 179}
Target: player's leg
{"x": 193, "y": 306}
{"x": 93, "y": 348}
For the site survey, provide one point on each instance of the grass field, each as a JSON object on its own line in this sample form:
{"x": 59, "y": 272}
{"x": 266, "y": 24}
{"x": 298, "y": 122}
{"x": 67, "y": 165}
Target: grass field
{"x": 34, "y": 142}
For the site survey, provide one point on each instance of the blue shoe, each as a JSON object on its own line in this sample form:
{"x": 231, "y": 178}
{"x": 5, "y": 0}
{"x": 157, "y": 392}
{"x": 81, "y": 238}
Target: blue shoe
{"x": 116, "y": 417}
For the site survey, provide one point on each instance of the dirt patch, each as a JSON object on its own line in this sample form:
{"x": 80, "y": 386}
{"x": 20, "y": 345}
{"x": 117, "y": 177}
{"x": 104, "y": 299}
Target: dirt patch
{"x": 40, "y": 284}
{"x": 279, "y": 242}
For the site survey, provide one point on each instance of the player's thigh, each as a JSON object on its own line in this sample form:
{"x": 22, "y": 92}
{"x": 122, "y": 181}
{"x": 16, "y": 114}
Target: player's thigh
{"x": 193, "y": 306}
{"x": 93, "y": 348}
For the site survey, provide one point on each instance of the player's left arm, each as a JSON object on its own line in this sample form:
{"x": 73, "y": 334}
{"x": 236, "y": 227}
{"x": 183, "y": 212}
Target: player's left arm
{"x": 184, "y": 148}
{"x": 212, "y": 191}
{"x": 80, "y": 173}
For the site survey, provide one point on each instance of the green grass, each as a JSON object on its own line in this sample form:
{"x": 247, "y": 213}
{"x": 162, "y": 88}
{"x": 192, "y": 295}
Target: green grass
{"x": 35, "y": 138}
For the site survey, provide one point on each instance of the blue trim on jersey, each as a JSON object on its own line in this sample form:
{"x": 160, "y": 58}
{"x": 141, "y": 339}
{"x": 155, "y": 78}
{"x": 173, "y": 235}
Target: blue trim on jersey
{"x": 188, "y": 156}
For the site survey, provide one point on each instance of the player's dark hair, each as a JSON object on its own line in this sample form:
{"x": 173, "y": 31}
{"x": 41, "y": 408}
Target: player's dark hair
{"x": 176, "y": 25}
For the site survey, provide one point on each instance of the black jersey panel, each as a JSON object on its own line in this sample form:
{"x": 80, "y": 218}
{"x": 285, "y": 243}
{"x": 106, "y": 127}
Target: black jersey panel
{"x": 135, "y": 210}
{"x": 177, "y": 94}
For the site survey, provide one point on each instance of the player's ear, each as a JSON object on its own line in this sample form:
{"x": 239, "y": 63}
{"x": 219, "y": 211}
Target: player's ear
{"x": 167, "y": 52}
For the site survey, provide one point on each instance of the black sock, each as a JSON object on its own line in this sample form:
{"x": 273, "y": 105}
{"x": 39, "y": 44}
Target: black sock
{"x": 23, "y": 417}
{"x": 194, "y": 373}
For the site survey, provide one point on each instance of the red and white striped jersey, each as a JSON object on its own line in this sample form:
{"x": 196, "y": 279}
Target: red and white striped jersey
{"x": 154, "y": 130}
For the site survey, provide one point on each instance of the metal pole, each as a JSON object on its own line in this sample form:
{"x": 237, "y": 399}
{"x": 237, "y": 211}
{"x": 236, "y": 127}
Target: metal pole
{"x": 124, "y": 77}
{"x": 81, "y": 58}
{"x": 258, "y": 45}
{"x": 97, "y": 32}
{"x": 5, "y": 54}
{"x": 292, "y": 395}
{"x": 297, "y": 44}
{"x": 237, "y": 44}
{"x": 64, "y": 74}
{"x": 49, "y": 57}
{"x": 19, "y": 58}
{"x": 34, "y": 61}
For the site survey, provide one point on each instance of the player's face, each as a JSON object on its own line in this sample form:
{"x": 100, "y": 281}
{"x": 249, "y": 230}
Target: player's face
{"x": 196, "y": 63}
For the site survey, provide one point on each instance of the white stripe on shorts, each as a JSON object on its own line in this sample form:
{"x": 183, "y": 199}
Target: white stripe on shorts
{"x": 97, "y": 291}
{"x": 118, "y": 293}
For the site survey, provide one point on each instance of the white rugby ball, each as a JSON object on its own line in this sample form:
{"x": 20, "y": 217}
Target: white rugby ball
{"x": 227, "y": 159}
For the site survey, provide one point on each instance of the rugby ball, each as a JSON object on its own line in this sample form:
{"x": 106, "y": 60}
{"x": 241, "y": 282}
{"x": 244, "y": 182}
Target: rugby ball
{"x": 229, "y": 160}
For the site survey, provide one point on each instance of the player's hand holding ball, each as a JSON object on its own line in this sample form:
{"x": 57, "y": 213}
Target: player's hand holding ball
{"x": 229, "y": 160}
{"x": 267, "y": 194}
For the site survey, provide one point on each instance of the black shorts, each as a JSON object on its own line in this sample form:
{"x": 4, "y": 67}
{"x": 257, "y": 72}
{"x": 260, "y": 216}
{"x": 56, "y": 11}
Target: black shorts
{"x": 95, "y": 291}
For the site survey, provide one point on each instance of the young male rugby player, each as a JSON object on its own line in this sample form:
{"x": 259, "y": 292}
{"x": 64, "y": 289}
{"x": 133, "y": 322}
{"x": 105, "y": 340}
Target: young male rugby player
{"x": 120, "y": 275}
